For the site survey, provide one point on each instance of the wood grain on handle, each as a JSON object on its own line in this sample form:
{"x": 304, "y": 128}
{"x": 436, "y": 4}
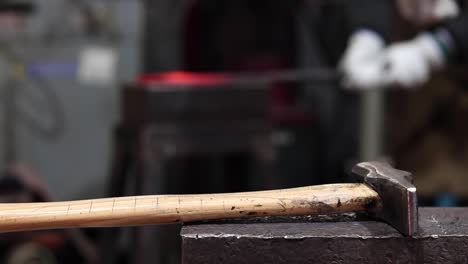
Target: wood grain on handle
{"x": 160, "y": 209}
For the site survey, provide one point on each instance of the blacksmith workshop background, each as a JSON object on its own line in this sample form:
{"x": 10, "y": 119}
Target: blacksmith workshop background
{"x": 103, "y": 98}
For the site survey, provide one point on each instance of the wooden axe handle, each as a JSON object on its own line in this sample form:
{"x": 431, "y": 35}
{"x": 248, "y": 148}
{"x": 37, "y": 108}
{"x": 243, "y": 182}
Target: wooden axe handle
{"x": 163, "y": 209}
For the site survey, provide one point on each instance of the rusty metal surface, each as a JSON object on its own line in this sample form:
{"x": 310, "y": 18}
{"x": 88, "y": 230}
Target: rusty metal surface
{"x": 442, "y": 238}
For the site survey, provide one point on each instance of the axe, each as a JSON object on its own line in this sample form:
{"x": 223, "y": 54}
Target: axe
{"x": 384, "y": 192}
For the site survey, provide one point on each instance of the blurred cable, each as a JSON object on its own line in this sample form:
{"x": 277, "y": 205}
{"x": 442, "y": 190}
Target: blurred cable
{"x": 53, "y": 125}
{"x": 16, "y": 78}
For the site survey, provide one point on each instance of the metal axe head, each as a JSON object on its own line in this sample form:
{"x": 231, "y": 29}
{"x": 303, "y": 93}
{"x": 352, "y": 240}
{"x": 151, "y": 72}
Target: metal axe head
{"x": 397, "y": 194}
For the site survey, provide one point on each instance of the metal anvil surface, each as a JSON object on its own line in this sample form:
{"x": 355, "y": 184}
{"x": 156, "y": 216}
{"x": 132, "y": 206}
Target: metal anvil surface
{"x": 442, "y": 238}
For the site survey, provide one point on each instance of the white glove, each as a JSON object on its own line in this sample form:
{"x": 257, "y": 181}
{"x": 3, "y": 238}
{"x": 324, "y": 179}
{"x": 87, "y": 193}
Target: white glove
{"x": 445, "y": 9}
{"x": 363, "y": 61}
{"x": 410, "y": 63}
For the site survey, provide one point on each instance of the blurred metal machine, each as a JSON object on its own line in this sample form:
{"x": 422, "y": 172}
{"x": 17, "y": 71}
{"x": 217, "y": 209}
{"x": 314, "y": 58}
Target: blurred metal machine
{"x": 41, "y": 56}
{"x": 16, "y": 12}
{"x": 163, "y": 121}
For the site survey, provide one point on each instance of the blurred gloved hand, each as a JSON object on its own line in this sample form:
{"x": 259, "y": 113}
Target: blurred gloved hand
{"x": 409, "y": 64}
{"x": 362, "y": 64}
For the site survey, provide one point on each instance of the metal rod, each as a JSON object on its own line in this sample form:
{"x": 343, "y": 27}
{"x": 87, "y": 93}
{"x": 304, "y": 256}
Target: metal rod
{"x": 372, "y": 120}
{"x": 301, "y": 75}
{"x": 9, "y": 123}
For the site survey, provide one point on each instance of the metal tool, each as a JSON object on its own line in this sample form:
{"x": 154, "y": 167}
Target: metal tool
{"x": 399, "y": 205}
{"x": 386, "y": 193}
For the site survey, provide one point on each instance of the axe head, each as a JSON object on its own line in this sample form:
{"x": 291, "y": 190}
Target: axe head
{"x": 397, "y": 195}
